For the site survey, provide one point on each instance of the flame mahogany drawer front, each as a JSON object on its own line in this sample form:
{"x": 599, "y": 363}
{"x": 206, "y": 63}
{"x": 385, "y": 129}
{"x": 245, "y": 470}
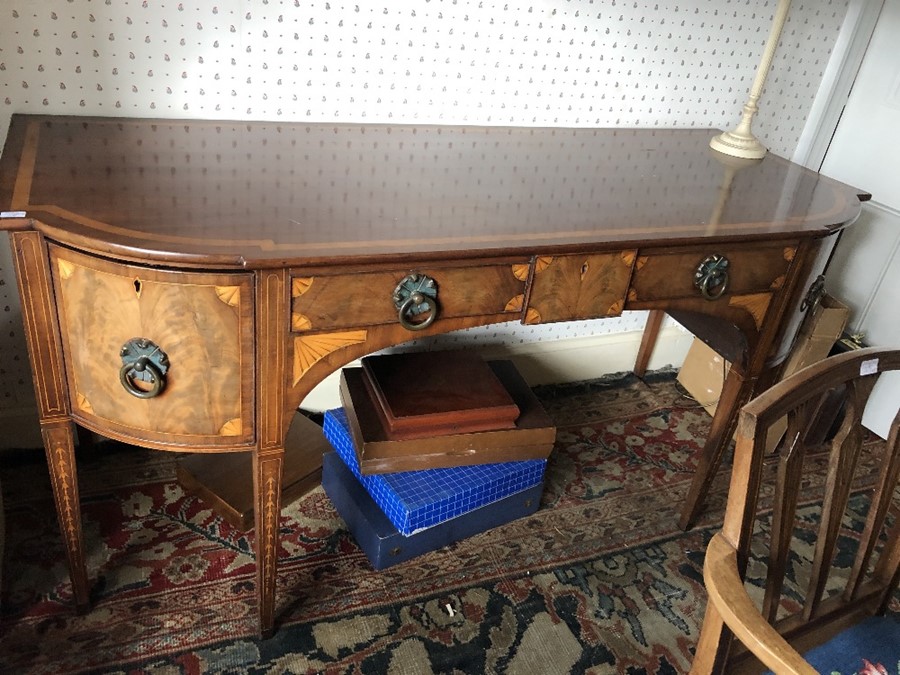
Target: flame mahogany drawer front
{"x": 583, "y": 286}
{"x": 197, "y": 327}
{"x": 330, "y": 301}
{"x": 671, "y": 273}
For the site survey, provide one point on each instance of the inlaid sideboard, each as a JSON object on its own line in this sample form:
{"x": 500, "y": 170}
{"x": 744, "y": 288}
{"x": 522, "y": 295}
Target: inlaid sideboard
{"x": 185, "y": 284}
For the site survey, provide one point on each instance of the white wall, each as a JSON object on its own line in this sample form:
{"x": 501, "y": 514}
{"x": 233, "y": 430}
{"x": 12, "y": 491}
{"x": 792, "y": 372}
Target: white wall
{"x": 865, "y": 271}
{"x": 542, "y": 62}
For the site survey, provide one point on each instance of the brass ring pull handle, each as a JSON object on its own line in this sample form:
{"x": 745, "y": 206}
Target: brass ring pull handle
{"x": 711, "y": 276}
{"x": 416, "y": 296}
{"x": 144, "y": 367}
{"x": 414, "y": 301}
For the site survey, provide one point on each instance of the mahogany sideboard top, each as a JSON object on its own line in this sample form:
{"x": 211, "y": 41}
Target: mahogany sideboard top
{"x": 185, "y": 284}
{"x": 263, "y": 194}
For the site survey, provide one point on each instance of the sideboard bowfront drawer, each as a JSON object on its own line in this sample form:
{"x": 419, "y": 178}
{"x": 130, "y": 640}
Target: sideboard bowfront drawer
{"x": 334, "y": 301}
{"x": 161, "y": 355}
{"x": 673, "y": 273}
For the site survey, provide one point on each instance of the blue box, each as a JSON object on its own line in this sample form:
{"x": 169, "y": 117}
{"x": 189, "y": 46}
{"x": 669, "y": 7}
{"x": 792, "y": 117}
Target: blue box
{"x": 415, "y": 500}
{"x": 384, "y": 545}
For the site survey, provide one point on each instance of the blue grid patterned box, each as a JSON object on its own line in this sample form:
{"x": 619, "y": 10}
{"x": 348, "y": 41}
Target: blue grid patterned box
{"x": 415, "y": 500}
{"x": 384, "y": 545}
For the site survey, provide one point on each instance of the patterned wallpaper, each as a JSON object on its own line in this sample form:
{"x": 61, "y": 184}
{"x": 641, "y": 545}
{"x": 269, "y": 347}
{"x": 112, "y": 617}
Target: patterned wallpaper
{"x": 609, "y": 63}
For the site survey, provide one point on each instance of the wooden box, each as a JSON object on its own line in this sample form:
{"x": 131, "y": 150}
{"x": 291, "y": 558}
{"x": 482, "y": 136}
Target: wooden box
{"x": 422, "y": 394}
{"x": 531, "y": 437}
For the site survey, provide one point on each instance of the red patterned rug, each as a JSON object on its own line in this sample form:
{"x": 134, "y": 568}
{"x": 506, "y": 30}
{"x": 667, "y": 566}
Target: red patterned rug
{"x": 599, "y": 580}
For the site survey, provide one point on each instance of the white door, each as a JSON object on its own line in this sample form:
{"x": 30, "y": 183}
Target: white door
{"x": 865, "y": 152}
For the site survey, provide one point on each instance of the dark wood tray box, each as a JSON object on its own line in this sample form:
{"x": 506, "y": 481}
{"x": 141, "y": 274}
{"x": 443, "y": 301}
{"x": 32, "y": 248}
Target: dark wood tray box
{"x": 532, "y": 436}
{"x": 423, "y": 394}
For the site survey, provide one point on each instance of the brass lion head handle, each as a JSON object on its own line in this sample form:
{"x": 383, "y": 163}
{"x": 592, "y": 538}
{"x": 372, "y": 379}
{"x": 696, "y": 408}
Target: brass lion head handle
{"x": 415, "y": 298}
{"x": 144, "y": 368}
{"x": 711, "y": 276}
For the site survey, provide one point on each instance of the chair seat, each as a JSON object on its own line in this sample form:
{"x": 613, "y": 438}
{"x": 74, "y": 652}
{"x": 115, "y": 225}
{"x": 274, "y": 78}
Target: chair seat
{"x": 871, "y": 647}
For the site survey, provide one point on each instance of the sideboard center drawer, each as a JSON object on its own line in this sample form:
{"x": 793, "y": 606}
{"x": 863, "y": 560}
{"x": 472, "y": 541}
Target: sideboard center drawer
{"x": 577, "y": 287}
{"x": 330, "y": 301}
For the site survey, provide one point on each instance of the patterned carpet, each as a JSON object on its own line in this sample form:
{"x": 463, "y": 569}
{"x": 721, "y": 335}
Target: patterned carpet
{"x": 599, "y": 580}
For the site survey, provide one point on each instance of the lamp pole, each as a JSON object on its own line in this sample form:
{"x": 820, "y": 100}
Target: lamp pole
{"x": 741, "y": 142}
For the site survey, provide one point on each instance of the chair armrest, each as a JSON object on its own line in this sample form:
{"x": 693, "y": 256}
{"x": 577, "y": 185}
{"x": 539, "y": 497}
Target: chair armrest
{"x": 739, "y": 612}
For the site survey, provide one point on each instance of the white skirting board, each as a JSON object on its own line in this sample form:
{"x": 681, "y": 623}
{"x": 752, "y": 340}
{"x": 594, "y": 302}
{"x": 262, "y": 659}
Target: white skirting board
{"x": 553, "y": 361}
{"x": 546, "y": 362}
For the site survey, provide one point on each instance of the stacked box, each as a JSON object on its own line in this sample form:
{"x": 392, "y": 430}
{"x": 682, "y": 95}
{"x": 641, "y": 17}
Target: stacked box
{"x": 416, "y": 500}
{"x": 531, "y": 437}
{"x": 384, "y": 545}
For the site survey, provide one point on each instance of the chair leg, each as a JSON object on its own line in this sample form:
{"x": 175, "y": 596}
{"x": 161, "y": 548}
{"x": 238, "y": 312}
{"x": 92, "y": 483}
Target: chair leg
{"x": 713, "y": 645}
{"x": 890, "y": 560}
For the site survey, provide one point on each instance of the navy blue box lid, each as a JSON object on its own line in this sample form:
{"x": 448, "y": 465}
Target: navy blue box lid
{"x": 384, "y": 545}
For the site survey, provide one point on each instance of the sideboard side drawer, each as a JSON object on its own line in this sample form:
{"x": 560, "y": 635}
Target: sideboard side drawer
{"x": 203, "y": 322}
{"x": 330, "y": 301}
{"x": 670, "y": 274}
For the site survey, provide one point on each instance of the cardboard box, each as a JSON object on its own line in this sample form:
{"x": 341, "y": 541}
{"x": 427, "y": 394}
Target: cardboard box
{"x": 416, "y": 500}
{"x": 815, "y": 340}
{"x": 703, "y": 375}
{"x": 384, "y": 545}
{"x": 817, "y": 334}
{"x": 704, "y": 371}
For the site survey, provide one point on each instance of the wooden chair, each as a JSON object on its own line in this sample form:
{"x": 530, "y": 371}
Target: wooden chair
{"x": 765, "y": 631}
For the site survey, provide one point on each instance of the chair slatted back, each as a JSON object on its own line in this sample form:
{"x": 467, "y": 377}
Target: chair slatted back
{"x": 800, "y": 398}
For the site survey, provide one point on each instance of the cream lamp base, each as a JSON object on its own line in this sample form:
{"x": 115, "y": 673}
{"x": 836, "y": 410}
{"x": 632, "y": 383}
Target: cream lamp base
{"x": 736, "y": 144}
{"x": 741, "y": 142}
